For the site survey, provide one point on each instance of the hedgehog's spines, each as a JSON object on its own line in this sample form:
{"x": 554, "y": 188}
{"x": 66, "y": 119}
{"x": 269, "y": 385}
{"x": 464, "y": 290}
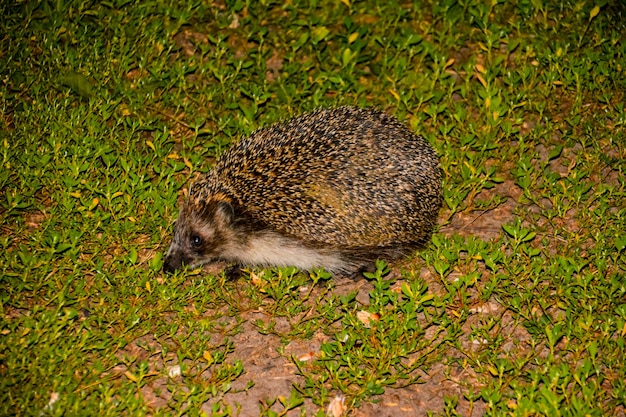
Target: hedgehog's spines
{"x": 342, "y": 183}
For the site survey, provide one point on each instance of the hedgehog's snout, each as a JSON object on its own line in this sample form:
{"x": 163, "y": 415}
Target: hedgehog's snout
{"x": 172, "y": 263}
{"x": 175, "y": 259}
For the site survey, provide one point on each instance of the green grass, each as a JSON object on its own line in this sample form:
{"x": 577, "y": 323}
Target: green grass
{"x": 109, "y": 109}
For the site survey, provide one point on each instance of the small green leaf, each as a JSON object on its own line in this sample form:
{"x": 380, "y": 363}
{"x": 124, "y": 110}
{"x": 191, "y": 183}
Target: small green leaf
{"x": 155, "y": 262}
{"x": 528, "y": 236}
{"x": 347, "y": 56}
{"x": 132, "y": 256}
{"x": 301, "y": 41}
{"x": 319, "y": 34}
{"x": 510, "y": 230}
{"x": 555, "y": 152}
{"x": 78, "y": 83}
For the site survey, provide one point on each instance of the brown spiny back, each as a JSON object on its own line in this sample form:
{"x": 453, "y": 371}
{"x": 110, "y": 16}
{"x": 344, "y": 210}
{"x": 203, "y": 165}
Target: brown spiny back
{"x": 344, "y": 177}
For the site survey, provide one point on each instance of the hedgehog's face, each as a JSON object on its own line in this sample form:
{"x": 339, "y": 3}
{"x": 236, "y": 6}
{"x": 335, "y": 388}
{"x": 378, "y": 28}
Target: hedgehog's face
{"x": 199, "y": 235}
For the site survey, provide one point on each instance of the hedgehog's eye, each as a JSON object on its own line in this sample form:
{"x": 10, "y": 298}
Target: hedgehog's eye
{"x": 196, "y": 241}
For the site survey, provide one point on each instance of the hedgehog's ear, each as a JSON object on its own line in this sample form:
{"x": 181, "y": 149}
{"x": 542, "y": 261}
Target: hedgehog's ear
{"x": 225, "y": 213}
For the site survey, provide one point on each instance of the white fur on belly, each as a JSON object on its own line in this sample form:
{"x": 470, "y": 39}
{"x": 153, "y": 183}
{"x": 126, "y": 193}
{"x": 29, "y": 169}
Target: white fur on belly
{"x": 270, "y": 249}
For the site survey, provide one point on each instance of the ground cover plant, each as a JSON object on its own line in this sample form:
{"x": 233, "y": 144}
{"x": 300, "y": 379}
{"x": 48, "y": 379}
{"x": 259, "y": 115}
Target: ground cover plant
{"x": 517, "y": 306}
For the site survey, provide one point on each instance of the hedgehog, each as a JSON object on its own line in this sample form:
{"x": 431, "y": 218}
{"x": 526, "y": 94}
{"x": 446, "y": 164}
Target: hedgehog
{"x": 334, "y": 188}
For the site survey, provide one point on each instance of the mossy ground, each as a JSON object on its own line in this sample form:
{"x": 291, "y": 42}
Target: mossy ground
{"x": 517, "y": 306}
